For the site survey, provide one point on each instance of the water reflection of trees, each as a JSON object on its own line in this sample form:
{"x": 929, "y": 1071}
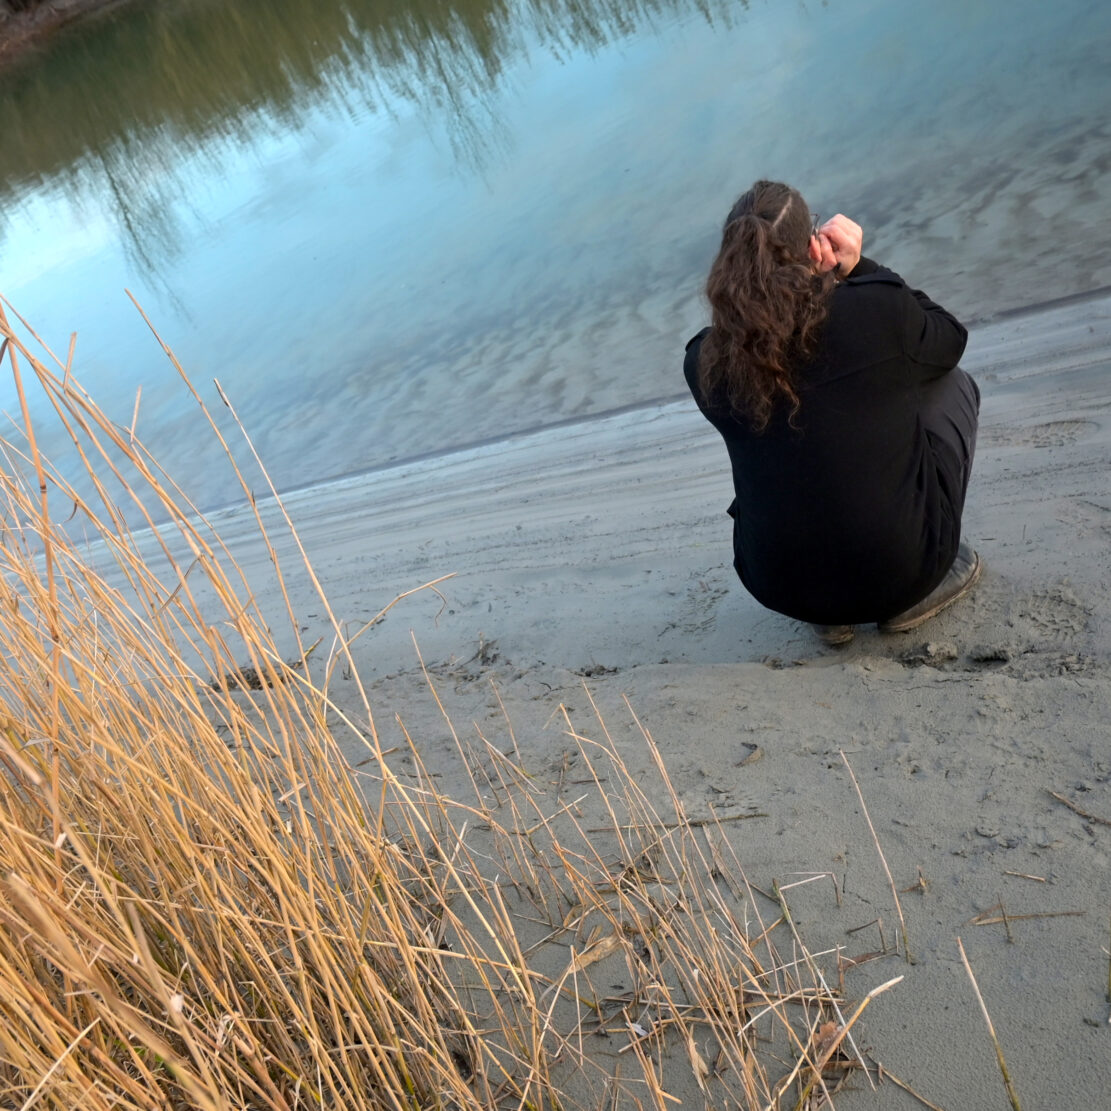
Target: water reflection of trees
{"x": 111, "y": 107}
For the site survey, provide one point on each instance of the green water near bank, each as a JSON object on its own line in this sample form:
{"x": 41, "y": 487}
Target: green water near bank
{"x": 391, "y": 228}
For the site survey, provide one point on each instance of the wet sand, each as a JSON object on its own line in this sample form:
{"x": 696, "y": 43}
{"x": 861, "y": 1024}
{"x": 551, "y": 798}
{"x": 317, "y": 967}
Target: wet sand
{"x": 596, "y": 556}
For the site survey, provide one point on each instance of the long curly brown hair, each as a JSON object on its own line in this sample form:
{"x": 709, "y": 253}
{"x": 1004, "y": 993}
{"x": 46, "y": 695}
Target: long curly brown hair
{"x": 767, "y": 303}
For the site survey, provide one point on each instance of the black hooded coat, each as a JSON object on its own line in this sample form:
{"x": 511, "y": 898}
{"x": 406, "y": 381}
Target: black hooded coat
{"x": 850, "y": 512}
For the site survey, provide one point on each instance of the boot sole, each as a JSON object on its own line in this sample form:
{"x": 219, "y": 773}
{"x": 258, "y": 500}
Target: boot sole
{"x": 835, "y": 640}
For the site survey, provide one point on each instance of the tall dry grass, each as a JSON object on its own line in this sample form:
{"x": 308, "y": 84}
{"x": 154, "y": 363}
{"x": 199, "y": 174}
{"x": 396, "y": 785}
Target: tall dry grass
{"x": 205, "y": 904}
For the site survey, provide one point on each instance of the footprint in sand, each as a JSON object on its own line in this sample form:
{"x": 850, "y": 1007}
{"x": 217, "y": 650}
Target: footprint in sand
{"x": 700, "y": 604}
{"x": 1088, "y": 517}
{"x": 1047, "y": 636}
{"x": 1055, "y": 433}
{"x": 1056, "y": 613}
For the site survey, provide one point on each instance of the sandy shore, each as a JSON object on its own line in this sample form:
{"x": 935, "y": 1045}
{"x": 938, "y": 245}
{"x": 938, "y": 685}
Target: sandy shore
{"x": 597, "y": 556}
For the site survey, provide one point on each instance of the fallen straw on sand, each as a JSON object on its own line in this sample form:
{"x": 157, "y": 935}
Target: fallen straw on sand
{"x": 883, "y": 860}
{"x": 1012, "y": 1095}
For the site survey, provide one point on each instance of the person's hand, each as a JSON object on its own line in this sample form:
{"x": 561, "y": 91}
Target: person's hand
{"x": 821, "y": 252}
{"x": 839, "y": 241}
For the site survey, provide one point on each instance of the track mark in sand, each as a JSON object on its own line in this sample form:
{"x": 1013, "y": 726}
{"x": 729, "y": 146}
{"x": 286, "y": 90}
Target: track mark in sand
{"x": 1040, "y": 634}
{"x": 1088, "y": 517}
{"x": 700, "y": 605}
{"x": 1054, "y": 433}
{"x": 1056, "y": 612}
{"x": 1051, "y": 627}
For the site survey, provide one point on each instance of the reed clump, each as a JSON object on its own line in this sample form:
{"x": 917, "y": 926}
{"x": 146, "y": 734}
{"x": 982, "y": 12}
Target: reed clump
{"x": 209, "y": 902}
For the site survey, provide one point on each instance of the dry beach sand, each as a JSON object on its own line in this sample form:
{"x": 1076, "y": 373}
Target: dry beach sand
{"x": 595, "y": 558}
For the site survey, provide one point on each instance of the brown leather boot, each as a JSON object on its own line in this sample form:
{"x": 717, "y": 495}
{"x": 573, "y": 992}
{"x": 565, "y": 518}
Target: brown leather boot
{"x": 962, "y": 577}
{"x": 834, "y": 635}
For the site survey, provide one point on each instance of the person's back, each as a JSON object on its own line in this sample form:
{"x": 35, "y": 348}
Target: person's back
{"x": 850, "y": 484}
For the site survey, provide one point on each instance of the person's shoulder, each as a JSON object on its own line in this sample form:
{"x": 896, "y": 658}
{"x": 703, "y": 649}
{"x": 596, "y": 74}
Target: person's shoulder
{"x": 690, "y": 359}
{"x": 876, "y": 297}
{"x": 877, "y": 290}
{"x": 880, "y": 276}
{"x": 690, "y": 365}
{"x": 695, "y": 341}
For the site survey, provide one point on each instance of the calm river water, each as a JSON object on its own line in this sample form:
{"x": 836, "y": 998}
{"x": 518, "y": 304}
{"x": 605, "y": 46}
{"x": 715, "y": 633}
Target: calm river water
{"x": 396, "y": 227}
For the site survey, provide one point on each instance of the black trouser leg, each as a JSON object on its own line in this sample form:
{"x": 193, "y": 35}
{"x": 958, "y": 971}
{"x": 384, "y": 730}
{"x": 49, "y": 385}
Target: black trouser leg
{"x": 950, "y": 409}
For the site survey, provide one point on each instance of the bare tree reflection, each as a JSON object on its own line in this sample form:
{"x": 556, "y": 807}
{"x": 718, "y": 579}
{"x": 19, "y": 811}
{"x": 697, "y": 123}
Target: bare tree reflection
{"x": 118, "y": 109}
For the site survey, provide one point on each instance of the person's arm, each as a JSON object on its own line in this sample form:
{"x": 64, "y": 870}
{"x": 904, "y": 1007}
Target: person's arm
{"x": 933, "y": 337}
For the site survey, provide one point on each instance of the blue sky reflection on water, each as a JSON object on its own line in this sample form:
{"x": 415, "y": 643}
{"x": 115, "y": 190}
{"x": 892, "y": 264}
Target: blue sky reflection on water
{"x": 383, "y": 280}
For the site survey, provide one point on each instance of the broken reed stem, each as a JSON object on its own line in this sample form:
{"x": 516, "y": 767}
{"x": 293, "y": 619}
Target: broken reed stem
{"x": 1006, "y": 922}
{"x": 843, "y": 1033}
{"x": 1012, "y": 1095}
{"x": 883, "y": 860}
{"x": 1003, "y": 916}
{"x": 816, "y": 972}
{"x": 884, "y": 1073}
{"x": 687, "y": 823}
{"x": 1083, "y": 813}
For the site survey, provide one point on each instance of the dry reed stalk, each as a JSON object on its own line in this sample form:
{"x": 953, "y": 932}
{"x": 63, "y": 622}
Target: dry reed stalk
{"x": 819, "y": 977}
{"x": 885, "y": 1074}
{"x": 985, "y": 918}
{"x": 829, "y": 1047}
{"x": 1078, "y": 810}
{"x": 883, "y": 860}
{"x": 207, "y": 903}
{"x": 1012, "y": 1095}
